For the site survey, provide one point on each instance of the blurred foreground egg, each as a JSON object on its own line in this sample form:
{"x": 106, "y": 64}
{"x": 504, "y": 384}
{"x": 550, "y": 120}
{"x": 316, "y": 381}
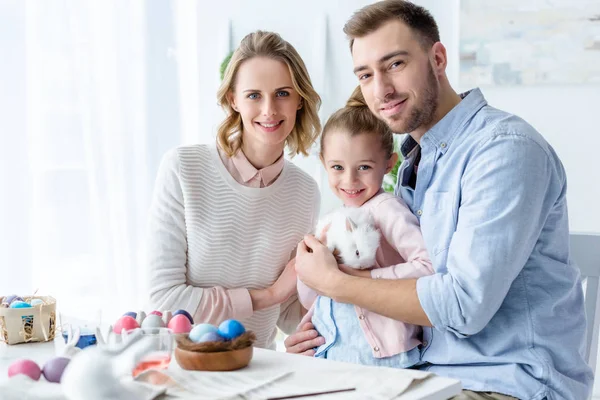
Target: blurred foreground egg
{"x": 200, "y": 330}
{"x": 25, "y": 367}
{"x": 125, "y": 322}
{"x": 153, "y": 321}
{"x": 231, "y": 328}
{"x": 131, "y": 314}
{"x": 187, "y": 315}
{"x": 36, "y": 302}
{"x": 180, "y": 324}
{"x": 155, "y": 312}
{"x": 54, "y": 368}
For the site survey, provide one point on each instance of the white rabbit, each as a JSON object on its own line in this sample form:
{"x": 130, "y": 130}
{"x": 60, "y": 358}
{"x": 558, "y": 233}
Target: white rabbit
{"x": 98, "y": 373}
{"x": 351, "y": 236}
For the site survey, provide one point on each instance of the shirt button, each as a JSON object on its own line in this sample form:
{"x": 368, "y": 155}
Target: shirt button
{"x": 361, "y": 316}
{"x": 425, "y": 343}
{"x": 443, "y": 145}
{"x": 376, "y": 348}
{"x": 420, "y": 212}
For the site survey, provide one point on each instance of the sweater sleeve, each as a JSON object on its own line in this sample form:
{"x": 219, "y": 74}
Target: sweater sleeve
{"x": 306, "y": 295}
{"x": 291, "y": 314}
{"x": 401, "y": 229}
{"x": 167, "y": 257}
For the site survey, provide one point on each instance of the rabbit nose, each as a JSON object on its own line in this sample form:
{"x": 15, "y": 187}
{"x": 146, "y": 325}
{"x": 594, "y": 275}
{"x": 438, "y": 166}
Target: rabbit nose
{"x": 357, "y": 253}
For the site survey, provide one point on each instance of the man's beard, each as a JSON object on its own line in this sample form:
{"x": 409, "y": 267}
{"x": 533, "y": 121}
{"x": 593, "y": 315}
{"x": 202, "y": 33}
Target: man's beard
{"x": 421, "y": 114}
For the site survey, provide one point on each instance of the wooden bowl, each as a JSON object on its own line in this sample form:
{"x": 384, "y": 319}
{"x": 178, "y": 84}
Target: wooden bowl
{"x": 214, "y": 361}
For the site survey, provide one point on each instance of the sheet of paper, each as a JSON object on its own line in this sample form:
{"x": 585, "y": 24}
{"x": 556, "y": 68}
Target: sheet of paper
{"x": 248, "y": 384}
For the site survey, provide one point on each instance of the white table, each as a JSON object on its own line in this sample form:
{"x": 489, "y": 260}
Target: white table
{"x": 431, "y": 388}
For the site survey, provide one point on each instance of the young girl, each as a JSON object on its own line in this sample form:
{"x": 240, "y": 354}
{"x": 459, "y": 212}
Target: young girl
{"x": 357, "y": 151}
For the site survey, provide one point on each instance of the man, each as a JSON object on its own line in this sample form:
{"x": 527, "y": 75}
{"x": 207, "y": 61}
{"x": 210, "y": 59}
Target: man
{"x": 504, "y": 312}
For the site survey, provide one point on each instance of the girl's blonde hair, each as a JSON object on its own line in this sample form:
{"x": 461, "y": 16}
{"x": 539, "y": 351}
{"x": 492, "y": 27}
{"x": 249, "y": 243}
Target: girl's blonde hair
{"x": 356, "y": 118}
{"x": 270, "y": 45}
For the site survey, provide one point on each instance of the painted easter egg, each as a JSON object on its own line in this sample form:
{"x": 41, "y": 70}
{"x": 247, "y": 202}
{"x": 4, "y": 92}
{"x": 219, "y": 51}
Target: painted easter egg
{"x": 25, "y": 367}
{"x": 19, "y": 304}
{"x": 200, "y": 330}
{"x": 156, "y": 312}
{"x": 180, "y": 324}
{"x": 187, "y": 315}
{"x": 54, "y": 368}
{"x": 211, "y": 337}
{"x": 130, "y": 314}
{"x": 230, "y": 329}
{"x": 125, "y": 322}
{"x": 12, "y": 297}
{"x": 36, "y": 302}
{"x": 152, "y": 321}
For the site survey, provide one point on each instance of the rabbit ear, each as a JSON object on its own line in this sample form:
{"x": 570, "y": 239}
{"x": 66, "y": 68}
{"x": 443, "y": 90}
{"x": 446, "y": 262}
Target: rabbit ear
{"x": 350, "y": 225}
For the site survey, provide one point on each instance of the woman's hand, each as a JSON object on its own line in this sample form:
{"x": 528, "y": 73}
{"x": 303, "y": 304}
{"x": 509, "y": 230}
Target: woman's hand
{"x": 285, "y": 286}
{"x": 281, "y": 290}
{"x": 304, "y": 340}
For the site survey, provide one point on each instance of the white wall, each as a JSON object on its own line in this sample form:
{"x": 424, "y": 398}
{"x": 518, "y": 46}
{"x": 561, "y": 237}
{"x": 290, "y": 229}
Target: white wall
{"x": 566, "y": 116}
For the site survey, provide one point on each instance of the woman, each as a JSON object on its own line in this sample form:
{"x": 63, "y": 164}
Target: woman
{"x": 226, "y": 218}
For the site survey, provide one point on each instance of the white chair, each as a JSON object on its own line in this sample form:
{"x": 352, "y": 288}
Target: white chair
{"x": 585, "y": 251}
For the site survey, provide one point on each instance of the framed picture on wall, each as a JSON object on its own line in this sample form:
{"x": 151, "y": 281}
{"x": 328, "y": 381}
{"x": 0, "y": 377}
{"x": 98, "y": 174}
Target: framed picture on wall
{"x": 513, "y": 42}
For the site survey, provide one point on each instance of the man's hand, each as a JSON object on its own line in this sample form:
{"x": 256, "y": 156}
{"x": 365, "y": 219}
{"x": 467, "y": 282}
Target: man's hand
{"x": 316, "y": 266}
{"x": 304, "y": 341}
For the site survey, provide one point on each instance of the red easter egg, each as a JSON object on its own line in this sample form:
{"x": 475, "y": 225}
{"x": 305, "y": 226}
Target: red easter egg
{"x": 180, "y": 324}
{"x": 25, "y": 367}
{"x": 125, "y": 322}
{"x": 156, "y": 313}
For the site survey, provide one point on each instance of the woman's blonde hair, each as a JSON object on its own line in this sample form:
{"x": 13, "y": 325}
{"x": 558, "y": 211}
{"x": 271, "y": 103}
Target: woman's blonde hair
{"x": 355, "y": 119}
{"x": 270, "y": 45}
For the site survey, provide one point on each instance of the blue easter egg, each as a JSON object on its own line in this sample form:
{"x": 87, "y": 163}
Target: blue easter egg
{"x": 36, "y": 302}
{"x": 230, "y": 329}
{"x": 200, "y": 330}
{"x": 211, "y": 337}
{"x": 130, "y": 314}
{"x": 187, "y": 315}
{"x": 19, "y": 304}
{"x": 87, "y": 338}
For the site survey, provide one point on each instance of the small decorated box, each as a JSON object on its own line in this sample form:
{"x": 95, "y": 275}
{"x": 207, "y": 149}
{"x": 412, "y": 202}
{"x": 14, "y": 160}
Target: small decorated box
{"x": 27, "y": 319}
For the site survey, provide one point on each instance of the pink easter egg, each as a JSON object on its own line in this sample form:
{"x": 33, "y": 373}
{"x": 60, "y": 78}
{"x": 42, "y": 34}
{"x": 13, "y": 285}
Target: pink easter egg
{"x": 180, "y": 324}
{"x": 25, "y": 367}
{"x": 125, "y": 322}
{"x": 156, "y": 313}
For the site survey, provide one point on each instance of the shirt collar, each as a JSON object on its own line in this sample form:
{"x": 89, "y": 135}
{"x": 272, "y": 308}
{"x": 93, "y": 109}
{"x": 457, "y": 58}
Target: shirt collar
{"x": 247, "y": 171}
{"x": 445, "y": 131}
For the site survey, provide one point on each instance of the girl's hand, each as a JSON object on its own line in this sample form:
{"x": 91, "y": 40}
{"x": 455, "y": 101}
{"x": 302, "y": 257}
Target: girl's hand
{"x": 361, "y": 273}
{"x": 304, "y": 340}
